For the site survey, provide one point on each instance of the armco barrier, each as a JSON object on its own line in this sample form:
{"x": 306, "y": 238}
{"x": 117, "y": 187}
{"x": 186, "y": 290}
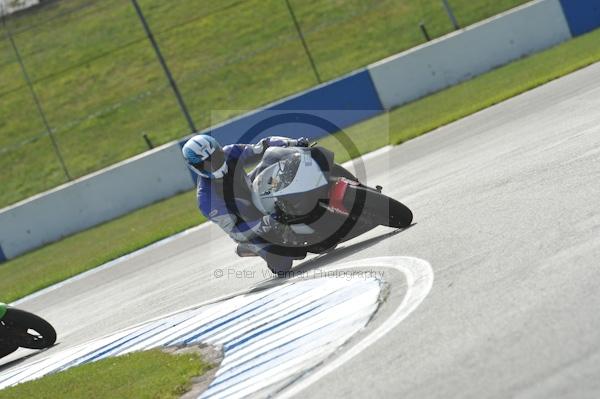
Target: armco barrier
{"x": 582, "y": 15}
{"x": 469, "y": 52}
{"x": 161, "y": 173}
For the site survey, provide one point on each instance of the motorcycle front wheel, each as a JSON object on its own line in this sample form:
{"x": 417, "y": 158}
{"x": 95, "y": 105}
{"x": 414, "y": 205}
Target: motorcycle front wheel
{"x": 28, "y": 330}
{"x": 7, "y": 348}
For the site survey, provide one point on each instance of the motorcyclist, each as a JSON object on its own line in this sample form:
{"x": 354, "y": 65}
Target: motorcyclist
{"x": 224, "y": 193}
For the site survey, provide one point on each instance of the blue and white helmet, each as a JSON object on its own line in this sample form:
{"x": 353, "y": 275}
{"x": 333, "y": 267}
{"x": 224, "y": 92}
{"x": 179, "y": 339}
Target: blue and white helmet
{"x": 205, "y": 156}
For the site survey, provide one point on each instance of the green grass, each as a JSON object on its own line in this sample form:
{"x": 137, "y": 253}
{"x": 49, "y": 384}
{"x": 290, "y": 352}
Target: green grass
{"x": 101, "y": 87}
{"x": 151, "y": 374}
{"x": 80, "y": 252}
{"x": 91, "y": 248}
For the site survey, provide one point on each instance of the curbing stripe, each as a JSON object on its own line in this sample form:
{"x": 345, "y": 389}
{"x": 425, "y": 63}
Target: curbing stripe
{"x": 265, "y": 351}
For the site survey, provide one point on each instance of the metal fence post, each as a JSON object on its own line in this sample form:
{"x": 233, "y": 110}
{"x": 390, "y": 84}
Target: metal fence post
{"x": 424, "y": 31}
{"x": 306, "y": 50}
{"x": 451, "y": 14}
{"x": 165, "y": 67}
{"x": 34, "y": 95}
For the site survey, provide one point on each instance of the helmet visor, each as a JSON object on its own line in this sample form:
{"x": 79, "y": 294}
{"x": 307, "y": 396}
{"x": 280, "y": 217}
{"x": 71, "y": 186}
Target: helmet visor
{"x": 211, "y": 164}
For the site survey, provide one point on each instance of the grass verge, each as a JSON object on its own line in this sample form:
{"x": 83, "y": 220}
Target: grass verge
{"x": 91, "y": 248}
{"x": 88, "y": 249}
{"x": 150, "y": 374}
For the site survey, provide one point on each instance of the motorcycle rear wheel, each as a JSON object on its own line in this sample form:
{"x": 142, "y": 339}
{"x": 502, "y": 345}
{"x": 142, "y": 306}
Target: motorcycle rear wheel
{"x": 373, "y": 206}
{"x": 28, "y": 330}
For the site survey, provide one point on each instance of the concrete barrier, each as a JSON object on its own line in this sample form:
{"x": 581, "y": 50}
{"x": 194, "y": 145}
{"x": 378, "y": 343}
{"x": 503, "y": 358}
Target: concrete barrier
{"x": 11, "y": 6}
{"x": 341, "y": 102}
{"x": 93, "y": 199}
{"x": 469, "y": 52}
{"x": 582, "y": 16}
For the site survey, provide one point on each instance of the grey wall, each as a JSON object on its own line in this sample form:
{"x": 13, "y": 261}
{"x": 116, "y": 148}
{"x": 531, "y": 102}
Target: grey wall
{"x": 93, "y": 199}
{"x": 469, "y": 52}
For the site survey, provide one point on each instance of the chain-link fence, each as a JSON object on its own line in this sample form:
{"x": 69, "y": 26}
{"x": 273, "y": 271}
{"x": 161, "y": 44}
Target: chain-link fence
{"x": 100, "y": 87}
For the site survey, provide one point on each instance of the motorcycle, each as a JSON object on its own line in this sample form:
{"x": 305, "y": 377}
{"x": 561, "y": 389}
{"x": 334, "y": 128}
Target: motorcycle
{"x": 19, "y": 328}
{"x": 317, "y": 203}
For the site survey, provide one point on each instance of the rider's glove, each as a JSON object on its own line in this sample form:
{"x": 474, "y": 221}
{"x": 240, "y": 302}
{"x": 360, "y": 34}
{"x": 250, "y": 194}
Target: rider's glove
{"x": 272, "y": 230}
{"x": 303, "y": 142}
{"x": 269, "y": 225}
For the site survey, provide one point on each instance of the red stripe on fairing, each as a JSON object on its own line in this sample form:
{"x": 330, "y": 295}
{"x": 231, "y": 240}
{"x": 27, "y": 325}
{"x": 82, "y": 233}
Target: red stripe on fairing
{"x": 337, "y": 191}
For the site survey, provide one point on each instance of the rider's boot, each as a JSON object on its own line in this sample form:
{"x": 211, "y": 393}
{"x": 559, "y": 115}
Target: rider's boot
{"x": 279, "y": 259}
{"x": 278, "y": 264}
{"x": 244, "y": 250}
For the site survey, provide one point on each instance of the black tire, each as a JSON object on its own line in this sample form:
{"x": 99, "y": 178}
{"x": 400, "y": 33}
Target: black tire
{"x": 378, "y": 208}
{"x": 400, "y": 215}
{"x": 19, "y": 322}
{"x": 7, "y": 348}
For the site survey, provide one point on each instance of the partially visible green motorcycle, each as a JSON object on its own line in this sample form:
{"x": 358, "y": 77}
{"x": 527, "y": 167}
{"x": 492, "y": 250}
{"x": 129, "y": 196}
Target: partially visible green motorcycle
{"x": 19, "y": 328}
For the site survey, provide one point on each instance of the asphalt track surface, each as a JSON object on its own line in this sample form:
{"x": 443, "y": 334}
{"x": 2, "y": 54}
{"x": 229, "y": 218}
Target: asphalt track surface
{"x": 506, "y": 206}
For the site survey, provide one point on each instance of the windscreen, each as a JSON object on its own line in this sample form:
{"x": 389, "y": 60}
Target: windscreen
{"x": 284, "y": 173}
